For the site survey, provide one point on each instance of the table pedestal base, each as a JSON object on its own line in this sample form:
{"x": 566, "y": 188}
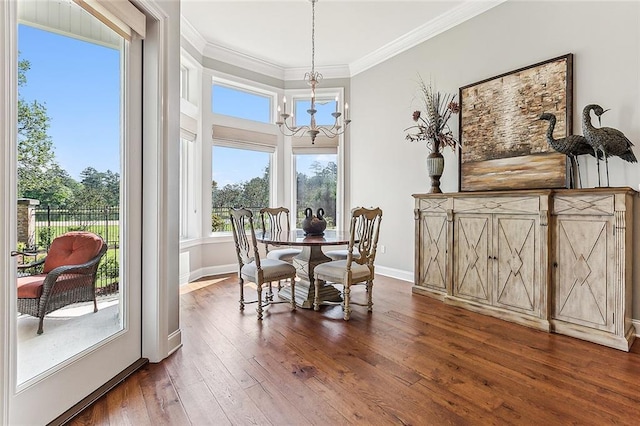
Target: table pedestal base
{"x": 305, "y": 263}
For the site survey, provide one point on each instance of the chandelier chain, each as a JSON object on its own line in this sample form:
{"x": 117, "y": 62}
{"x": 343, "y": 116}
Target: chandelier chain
{"x": 313, "y": 36}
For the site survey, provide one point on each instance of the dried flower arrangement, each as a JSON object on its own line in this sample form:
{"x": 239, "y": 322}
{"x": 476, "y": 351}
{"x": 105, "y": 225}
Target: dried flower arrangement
{"x": 432, "y": 127}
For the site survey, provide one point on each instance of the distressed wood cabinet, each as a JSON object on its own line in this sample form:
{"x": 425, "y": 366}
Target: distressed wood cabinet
{"x": 556, "y": 260}
{"x": 433, "y": 230}
{"x": 592, "y": 265}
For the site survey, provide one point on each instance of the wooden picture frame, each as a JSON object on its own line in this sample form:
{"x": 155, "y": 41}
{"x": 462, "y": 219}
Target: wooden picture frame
{"x": 503, "y": 143}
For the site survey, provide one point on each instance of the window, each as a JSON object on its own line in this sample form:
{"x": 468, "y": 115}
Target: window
{"x": 241, "y": 103}
{"x": 186, "y": 182}
{"x": 241, "y": 178}
{"x": 184, "y": 82}
{"x": 316, "y": 186}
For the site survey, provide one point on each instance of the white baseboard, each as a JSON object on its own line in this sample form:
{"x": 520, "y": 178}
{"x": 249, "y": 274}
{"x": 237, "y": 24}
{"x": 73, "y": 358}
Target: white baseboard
{"x": 636, "y": 325}
{"x": 395, "y": 273}
{"x": 174, "y": 342}
{"x": 210, "y": 271}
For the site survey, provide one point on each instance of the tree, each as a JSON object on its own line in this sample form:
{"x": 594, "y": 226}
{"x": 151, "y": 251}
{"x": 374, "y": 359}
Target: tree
{"x": 39, "y": 176}
{"x": 319, "y": 190}
{"x": 98, "y": 189}
{"x": 253, "y": 193}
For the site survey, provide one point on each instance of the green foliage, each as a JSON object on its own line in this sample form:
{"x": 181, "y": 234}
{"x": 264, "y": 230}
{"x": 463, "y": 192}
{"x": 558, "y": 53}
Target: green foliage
{"x": 98, "y": 189}
{"x": 217, "y": 223}
{"x": 318, "y": 191}
{"x": 254, "y": 193}
{"x": 109, "y": 266}
{"x": 45, "y": 236}
{"x": 39, "y": 175}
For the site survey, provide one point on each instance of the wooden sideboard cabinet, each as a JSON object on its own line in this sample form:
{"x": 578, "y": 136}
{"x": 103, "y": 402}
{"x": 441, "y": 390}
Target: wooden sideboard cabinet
{"x": 555, "y": 260}
{"x": 433, "y": 230}
{"x": 591, "y": 274}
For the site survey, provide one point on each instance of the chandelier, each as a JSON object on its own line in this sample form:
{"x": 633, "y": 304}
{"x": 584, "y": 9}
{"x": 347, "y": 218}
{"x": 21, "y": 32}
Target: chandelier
{"x": 286, "y": 122}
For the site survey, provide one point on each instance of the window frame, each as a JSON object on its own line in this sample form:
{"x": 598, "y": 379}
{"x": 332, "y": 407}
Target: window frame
{"x": 248, "y": 146}
{"x": 337, "y": 146}
{"x": 249, "y": 88}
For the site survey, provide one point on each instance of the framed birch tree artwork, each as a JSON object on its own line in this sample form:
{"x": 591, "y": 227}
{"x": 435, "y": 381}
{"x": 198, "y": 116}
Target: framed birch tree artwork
{"x": 503, "y": 143}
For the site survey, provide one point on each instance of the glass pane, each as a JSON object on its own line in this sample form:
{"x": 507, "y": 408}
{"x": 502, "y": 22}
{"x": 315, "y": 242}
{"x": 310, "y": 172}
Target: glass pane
{"x": 324, "y": 108}
{"x": 69, "y": 117}
{"x": 241, "y": 178}
{"x": 317, "y": 183}
{"x": 239, "y": 103}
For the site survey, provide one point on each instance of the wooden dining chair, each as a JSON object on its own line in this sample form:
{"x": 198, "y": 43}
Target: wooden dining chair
{"x": 276, "y": 220}
{"x": 251, "y": 268}
{"x": 365, "y": 229}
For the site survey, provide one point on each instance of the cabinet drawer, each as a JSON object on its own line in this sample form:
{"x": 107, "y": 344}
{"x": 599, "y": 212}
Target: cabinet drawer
{"x": 592, "y": 205}
{"x": 491, "y": 205}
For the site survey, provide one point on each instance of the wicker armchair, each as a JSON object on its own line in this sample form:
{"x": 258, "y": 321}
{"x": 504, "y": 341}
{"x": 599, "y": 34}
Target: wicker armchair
{"x": 68, "y": 275}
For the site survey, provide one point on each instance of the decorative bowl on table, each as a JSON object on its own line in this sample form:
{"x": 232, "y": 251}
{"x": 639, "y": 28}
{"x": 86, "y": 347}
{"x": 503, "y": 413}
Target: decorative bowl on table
{"x": 314, "y": 225}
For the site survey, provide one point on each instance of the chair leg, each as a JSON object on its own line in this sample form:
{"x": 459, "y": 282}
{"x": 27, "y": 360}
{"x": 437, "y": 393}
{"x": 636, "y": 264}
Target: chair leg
{"x": 270, "y": 293}
{"x": 241, "y": 294}
{"x": 95, "y": 305}
{"x": 259, "y": 309}
{"x": 316, "y": 298}
{"x": 293, "y": 294}
{"x": 370, "y": 296}
{"x": 40, "y": 324}
{"x": 346, "y": 307}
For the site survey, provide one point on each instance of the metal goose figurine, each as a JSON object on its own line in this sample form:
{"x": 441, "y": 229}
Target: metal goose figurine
{"x": 571, "y": 146}
{"x": 610, "y": 142}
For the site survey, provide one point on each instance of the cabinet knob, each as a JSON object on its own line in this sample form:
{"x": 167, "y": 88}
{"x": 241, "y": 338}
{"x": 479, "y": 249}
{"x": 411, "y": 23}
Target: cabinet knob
{"x": 555, "y": 264}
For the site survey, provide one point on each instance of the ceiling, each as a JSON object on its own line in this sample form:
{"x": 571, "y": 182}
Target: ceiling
{"x": 353, "y": 34}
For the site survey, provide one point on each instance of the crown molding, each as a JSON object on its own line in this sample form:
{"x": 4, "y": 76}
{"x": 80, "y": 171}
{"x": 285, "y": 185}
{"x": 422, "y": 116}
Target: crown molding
{"x": 456, "y": 16}
{"x": 242, "y": 60}
{"x": 192, "y": 35}
{"x": 436, "y": 26}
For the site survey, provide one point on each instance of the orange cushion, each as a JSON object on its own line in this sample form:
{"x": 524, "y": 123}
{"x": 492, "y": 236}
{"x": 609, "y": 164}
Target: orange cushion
{"x": 31, "y": 287}
{"x": 72, "y": 248}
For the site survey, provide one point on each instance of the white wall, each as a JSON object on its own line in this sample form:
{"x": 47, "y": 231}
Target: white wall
{"x": 385, "y": 169}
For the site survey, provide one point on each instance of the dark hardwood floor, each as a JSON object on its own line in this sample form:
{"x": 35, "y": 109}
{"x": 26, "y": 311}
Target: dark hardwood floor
{"x": 413, "y": 361}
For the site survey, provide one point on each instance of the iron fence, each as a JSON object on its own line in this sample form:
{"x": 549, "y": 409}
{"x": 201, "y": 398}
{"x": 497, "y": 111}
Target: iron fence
{"x": 105, "y": 222}
{"x": 220, "y": 221}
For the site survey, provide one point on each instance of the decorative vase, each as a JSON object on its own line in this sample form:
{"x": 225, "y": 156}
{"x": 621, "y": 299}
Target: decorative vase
{"x": 314, "y": 225}
{"x": 435, "y": 167}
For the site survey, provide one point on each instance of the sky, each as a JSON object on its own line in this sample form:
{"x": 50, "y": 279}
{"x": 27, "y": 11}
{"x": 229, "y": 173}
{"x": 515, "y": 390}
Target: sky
{"x": 79, "y": 83}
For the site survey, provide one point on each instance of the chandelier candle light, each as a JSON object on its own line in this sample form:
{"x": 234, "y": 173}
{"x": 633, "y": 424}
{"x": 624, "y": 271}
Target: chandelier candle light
{"x": 286, "y": 123}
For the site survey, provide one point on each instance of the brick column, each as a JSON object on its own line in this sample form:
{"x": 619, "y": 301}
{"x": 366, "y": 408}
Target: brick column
{"x": 27, "y": 221}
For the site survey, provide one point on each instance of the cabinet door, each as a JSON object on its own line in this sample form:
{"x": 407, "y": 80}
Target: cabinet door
{"x": 582, "y": 268}
{"x": 433, "y": 251}
{"x": 472, "y": 250}
{"x": 516, "y": 255}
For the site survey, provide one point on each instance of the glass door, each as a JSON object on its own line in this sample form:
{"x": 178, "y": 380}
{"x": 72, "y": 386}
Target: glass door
{"x": 77, "y": 157}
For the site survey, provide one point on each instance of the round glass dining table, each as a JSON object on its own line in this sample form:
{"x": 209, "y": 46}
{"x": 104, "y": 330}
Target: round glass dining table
{"x": 310, "y": 256}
